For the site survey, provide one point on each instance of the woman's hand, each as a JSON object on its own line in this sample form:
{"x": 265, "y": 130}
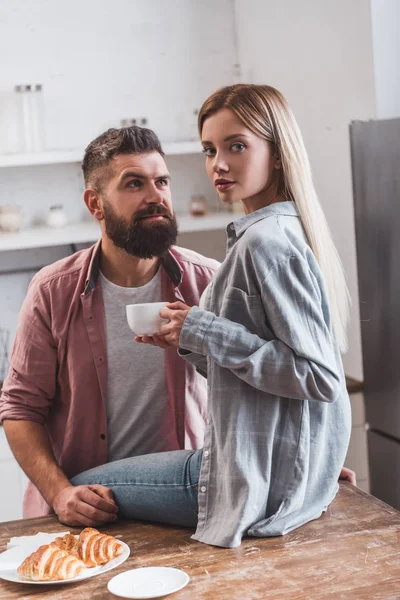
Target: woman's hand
{"x": 169, "y": 334}
{"x": 348, "y": 475}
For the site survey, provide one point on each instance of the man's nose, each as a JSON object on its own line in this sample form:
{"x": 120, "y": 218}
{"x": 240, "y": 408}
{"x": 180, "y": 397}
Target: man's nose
{"x": 154, "y": 196}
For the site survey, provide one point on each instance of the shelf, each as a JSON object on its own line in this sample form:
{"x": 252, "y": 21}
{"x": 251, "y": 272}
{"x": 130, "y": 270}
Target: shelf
{"x": 81, "y": 233}
{"x": 71, "y": 156}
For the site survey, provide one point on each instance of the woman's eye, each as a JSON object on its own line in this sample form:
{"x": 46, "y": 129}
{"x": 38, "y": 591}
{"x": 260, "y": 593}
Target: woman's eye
{"x": 238, "y": 147}
{"x": 208, "y": 151}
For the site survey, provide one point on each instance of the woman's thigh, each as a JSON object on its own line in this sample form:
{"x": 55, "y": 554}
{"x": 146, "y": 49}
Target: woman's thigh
{"x": 154, "y": 487}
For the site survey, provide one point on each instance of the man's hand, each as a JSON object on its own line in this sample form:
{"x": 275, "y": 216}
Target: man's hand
{"x": 348, "y": 475}
{"x": 89, "y": 505}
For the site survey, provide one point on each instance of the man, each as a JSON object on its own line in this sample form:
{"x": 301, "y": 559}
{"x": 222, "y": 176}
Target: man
{"x": 80, "y": 392}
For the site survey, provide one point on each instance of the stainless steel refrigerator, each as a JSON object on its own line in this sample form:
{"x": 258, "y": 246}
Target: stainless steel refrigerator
{"x": 375, "y": 154}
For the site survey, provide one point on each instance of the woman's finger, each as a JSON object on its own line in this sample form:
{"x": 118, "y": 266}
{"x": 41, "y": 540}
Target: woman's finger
{"x": 178, "y": 305}
{"x": 145, "y": 339}
{"x": 160, "y": 341}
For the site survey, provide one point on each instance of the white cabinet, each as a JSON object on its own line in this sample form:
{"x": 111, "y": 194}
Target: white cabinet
{"x": 13, "y": 483}
{"x": 357, "y": 455}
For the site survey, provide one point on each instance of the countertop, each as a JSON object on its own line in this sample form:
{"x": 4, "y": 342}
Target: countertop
{"x": 352, "y": 551}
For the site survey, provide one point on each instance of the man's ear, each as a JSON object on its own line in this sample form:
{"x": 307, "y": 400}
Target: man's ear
{"x": 93, "y": 202}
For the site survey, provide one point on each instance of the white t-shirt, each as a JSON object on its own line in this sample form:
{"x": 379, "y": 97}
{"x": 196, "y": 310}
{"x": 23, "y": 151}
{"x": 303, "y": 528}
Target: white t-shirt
{"x": 139, "y": 418}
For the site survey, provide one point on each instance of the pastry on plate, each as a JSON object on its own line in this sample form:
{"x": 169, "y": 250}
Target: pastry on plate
{"x": 97, "y": 548}
{"x": 93, "y": 547}
{"x": 51, "y": 563}
{"x": 69, "y": 543}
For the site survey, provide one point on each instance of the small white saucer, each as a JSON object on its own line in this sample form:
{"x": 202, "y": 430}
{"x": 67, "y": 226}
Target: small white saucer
{"x": 148, "y": 582}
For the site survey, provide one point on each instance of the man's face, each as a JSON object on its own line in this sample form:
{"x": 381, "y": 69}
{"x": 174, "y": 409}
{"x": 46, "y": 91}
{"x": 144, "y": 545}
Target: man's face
{"x": 137, "y": 207}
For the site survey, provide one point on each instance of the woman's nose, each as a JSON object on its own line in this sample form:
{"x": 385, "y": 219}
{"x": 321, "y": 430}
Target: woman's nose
{"x": 220, "y": 164}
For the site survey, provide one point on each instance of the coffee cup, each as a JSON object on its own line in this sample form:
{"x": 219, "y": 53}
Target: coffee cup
{"x": 144, "y": 319}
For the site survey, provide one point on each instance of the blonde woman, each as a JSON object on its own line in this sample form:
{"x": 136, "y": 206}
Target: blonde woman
{"x": 267, "y": 336}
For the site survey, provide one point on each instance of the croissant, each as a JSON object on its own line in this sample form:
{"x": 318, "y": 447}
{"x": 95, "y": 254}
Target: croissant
{"x": 50, "y": 562}
{"x": 69, "y": 543}
{"x": 96, "y": 548}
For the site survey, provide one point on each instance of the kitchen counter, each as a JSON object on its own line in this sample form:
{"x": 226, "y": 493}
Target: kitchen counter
{"x": 352, "y": 551}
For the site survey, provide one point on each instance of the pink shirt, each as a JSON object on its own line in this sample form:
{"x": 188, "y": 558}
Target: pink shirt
{"x": 58, "y": 365}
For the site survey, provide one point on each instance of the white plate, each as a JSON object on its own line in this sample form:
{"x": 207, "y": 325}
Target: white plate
{"x": 11, "y": 559}
{"x": 148, "y": 582}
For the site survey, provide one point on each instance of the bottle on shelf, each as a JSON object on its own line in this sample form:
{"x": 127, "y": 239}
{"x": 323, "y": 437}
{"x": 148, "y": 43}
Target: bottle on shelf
{"x": 198, "y": 205}
{"x": 37, "y": 112}
{"x": 141, "y": 122}
{"x": 31, "y": 117}
{"x": 193, "y": 129}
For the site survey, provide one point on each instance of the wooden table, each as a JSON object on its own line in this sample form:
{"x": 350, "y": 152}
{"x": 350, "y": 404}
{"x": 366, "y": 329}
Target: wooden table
{"x": 353, "y": 551}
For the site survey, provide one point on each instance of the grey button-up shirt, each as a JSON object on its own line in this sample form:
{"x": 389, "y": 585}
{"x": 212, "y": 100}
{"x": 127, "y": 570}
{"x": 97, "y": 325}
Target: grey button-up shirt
{"x": 278, "y": 411}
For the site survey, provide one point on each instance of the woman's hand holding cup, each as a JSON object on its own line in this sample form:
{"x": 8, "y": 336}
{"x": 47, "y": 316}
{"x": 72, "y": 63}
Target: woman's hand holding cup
{"x": 169, "y": 333}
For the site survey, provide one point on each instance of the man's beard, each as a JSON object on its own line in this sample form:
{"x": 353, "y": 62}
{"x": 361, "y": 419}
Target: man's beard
{"x": 144, "y": 240}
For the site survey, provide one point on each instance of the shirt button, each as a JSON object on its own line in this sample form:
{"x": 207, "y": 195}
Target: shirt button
{"x": 203, "y": 488}
{"x": 231, "y": 227}
{"x": 206, "y": 453}
{"x": 103, "y": 437}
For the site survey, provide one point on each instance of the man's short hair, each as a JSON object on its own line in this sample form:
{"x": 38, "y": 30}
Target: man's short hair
{"x": 127, "y": 140}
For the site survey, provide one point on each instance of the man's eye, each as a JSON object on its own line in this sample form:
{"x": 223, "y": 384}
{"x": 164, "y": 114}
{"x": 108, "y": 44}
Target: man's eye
{"x": 208, "y": 151}
{"x": 135, "y": 183}
{"x": 238, "y": 147}
{"x": 163, "y": 182}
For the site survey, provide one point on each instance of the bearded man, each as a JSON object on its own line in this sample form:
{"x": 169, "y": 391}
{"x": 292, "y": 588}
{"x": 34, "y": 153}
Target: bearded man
{"x": 80, "y": 392}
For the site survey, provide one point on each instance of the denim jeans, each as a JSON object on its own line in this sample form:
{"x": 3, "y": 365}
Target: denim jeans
{"x": 158, "y": 487}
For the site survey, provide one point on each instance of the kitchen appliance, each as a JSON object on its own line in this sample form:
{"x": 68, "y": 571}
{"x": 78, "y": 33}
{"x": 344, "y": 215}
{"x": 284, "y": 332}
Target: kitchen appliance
{"x": 375, "y": 155}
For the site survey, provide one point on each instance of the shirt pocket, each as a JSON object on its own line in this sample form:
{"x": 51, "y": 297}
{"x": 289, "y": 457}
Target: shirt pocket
{"x": 243, "y": 308}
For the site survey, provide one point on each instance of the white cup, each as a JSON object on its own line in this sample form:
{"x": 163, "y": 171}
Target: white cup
{"x": 144, "y": 319}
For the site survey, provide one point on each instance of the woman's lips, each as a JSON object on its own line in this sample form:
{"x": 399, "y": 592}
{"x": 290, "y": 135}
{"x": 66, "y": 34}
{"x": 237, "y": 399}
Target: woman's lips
{"x": 223, "y": 186}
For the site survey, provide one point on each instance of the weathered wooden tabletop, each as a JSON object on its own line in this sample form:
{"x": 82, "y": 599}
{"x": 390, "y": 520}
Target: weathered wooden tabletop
{"x": 353, "y": 551}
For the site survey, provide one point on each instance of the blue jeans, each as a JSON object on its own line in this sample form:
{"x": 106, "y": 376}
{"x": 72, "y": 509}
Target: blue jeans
{"x": 154, "y": 487}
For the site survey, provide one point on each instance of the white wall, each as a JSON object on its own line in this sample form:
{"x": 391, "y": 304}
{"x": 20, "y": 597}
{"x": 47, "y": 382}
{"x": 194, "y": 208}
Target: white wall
{"x": 319, "y": 54}
{"x": 100, "y": 62}
{"x": 386, "y": 44}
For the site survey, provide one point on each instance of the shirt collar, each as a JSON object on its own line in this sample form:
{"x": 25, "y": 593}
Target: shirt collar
{"x": 168, "y": 262}
{"x": 240, "y": 225}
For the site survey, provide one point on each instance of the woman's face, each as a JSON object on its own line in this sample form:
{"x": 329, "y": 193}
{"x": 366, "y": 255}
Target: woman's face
{"x": 239, "y": 163}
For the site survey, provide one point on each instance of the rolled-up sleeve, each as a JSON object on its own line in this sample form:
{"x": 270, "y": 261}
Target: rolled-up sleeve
{"x": 30, "y": 385}
{"x": 295, "y": 354}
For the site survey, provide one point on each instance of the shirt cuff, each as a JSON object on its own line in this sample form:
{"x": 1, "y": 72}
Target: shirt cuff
{"x": 195, "y": 329}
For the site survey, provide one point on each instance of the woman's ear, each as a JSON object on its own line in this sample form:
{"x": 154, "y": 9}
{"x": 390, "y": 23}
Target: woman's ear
{"x": 93, "y": 202}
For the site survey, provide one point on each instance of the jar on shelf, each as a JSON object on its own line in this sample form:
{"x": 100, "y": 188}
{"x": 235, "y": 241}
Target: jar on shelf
{"x": 56, "y": 216}
{"x": 198, "y": 205}
{"x": 10, "y": 218}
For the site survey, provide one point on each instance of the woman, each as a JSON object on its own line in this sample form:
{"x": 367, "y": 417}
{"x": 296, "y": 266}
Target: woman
{"x": 268, "y": 335}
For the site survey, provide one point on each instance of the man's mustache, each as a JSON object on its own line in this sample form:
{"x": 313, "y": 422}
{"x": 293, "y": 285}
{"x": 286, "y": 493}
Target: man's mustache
{"x": 152, "y": 209}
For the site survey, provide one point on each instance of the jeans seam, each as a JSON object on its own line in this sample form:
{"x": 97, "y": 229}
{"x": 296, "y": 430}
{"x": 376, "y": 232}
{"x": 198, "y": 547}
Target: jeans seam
{"x": 176, "y": 485}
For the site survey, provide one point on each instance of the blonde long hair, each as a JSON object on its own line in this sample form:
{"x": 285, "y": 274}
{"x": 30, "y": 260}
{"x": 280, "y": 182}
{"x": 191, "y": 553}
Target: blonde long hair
{"x": 264, "y": 110}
